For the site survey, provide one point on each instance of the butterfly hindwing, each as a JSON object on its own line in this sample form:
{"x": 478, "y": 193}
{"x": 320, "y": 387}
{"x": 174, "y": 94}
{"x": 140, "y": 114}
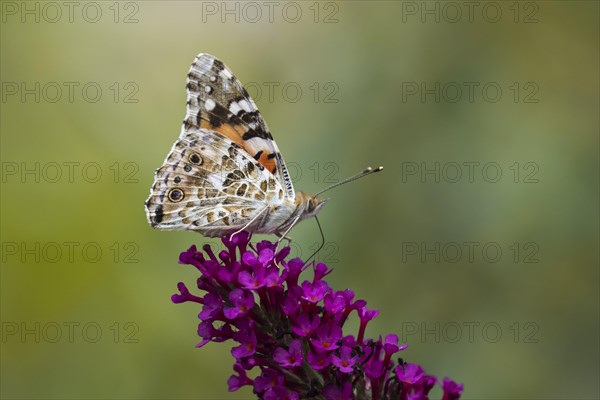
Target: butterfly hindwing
{"x": 217, "y": 101}
{"x": 210, "y": 185}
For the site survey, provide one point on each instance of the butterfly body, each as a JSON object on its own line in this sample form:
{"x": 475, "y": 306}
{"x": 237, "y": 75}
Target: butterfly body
{"x": 224, "y": 173}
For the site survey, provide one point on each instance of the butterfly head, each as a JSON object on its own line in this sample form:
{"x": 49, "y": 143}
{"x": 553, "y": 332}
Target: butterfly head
{"x": 309, "y": 205}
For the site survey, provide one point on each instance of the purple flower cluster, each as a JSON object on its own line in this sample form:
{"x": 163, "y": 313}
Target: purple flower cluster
{"x": 292, "y": 332}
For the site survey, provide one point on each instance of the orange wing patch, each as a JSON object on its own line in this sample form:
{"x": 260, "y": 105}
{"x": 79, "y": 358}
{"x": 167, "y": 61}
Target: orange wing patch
{"x": 235, "y": 134}
{"x": 267, "y": 160}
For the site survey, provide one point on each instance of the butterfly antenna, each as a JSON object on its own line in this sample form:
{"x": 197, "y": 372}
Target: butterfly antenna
{"x": 361, "y": 174}
{"x": 322, "y": 241}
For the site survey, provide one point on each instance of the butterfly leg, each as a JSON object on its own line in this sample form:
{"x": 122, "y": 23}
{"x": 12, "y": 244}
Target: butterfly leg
{"x": 280, "y": 236}
{"x": 287, "y": 231}
{"x": 248, "y": 224}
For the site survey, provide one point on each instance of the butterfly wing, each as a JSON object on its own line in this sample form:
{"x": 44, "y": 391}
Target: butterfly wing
{"x": 217, "y": 101}
{"x": 210, "y": 185}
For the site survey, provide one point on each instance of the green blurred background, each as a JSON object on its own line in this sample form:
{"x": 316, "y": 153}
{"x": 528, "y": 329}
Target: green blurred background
{"x": 354, "y": 84}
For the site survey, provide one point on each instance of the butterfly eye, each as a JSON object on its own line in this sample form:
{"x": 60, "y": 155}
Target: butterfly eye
{"x": 311, "y": 205}
{"x": 175, "y": 195}
{"x": 195, "y": 159}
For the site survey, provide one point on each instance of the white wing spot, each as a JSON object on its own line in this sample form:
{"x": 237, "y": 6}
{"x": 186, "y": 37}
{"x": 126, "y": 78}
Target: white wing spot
{"x": 226, "y": 74}
{"x": 207, "y": 89}
{"x": 213, "y": 78}
{"x": 235, "y": 108}
{"x": 206, "y": 62}
{"x": 245, "y": 105}
{"x": 209, "y": 104}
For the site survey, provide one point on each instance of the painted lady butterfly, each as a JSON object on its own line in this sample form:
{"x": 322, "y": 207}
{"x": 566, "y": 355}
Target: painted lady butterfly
{"x": 224, "y": 173}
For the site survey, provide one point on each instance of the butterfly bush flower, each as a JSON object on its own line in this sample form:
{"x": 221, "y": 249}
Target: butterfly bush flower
{"x": 291, "y": 334}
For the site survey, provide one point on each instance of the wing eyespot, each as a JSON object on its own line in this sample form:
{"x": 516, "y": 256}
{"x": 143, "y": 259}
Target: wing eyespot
{"x": 195, "y": 159}
{"x": 175, "y": 195}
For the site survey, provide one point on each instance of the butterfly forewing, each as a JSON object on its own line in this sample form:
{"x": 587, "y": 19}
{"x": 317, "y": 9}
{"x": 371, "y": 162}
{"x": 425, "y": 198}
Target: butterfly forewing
{"x": 217, "y": 101}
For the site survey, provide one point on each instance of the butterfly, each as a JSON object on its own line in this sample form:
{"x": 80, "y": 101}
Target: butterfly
{"x": 225, "y": 174}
